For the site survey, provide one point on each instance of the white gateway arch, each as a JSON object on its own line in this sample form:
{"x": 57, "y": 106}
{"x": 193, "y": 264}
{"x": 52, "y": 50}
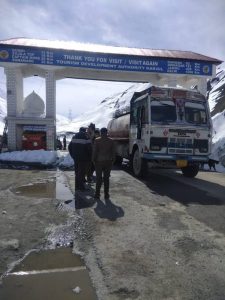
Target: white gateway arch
{"x": 54, "y": 60}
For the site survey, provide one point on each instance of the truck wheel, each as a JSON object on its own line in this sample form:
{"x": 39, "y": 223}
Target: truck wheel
{"x": 190, "y": 171}
{"x": 139, "y": 165}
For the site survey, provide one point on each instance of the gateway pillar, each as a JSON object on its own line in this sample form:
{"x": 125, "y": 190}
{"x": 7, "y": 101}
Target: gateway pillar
{"x": 51, "y": 109}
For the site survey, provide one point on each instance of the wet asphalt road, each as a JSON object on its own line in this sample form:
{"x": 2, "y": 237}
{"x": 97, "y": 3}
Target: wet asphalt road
{"x": 203, "y": 197}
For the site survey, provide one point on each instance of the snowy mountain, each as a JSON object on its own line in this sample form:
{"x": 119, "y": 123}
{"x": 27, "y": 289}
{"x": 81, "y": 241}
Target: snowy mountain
{"x": 216, "y": 90}
{"x": 103, "y": 112}
{"x": 217, "y": 108}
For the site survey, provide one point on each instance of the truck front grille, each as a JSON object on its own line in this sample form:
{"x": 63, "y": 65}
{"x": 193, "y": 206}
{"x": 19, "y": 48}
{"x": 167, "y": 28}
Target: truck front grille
{"x": 180, "y": 146}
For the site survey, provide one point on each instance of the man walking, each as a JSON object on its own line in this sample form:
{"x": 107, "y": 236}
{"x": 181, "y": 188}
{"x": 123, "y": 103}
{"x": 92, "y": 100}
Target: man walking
{"x": 103, "y": 157}
{"x": 80, "y": 150}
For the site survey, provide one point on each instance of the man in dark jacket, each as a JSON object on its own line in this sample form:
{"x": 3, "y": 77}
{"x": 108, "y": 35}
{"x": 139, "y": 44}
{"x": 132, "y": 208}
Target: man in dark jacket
{"x": 80, "y": 150}
{"x": 103, "y": 157}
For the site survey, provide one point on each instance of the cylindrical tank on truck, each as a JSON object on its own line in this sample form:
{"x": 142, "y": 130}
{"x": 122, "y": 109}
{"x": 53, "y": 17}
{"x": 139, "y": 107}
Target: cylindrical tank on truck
{"x": 118, "y": 130}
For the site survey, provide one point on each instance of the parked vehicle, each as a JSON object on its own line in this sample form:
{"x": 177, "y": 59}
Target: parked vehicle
{"x": 165, "y": 127}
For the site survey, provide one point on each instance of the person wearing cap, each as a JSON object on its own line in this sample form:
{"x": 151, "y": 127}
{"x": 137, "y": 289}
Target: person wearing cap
{"x": 80, "y": 150}
{"x": 103, "y": 156}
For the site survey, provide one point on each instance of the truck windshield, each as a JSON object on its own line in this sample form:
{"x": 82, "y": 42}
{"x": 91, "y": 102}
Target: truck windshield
{"x": 186, "y": 111}
{"x": 163, "y": 111}
{"x": 195, "y": 112}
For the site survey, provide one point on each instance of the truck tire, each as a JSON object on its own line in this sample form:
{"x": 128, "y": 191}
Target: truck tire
{"x": 190, "y": 171}
{"x": 139, "y": 165}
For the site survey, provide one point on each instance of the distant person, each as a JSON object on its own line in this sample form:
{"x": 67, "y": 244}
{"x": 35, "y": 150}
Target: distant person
{"x": 64, "y": 142}
{"x": 97, "y": 133}
{"x": 80, "y": 150}
{"x": 212, "y": 164}
{"x": 58, "y": 144}
{"x": 91, "y": 131}
{"x": 103, "y": 157}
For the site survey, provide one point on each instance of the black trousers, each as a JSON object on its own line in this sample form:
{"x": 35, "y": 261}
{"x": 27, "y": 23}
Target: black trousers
{"x": 80, "y": 170}
{"x": 102, "y": 170}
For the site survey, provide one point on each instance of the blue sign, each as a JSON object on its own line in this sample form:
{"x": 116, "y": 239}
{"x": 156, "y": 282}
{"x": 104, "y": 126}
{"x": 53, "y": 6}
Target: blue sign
{"x": 102, "y": 61}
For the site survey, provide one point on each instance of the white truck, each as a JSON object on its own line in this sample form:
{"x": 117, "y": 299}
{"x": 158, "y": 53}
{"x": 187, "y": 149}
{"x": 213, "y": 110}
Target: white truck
{"x": 165, "y": 127}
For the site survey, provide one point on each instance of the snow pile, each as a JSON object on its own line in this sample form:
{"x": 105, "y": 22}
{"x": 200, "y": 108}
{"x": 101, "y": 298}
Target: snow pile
{"x": 31, "y": 156}
{"x": 42, "y": 157}
{"x": 65, "y": 160}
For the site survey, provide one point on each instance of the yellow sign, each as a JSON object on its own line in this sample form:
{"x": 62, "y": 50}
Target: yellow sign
{"x": 4, "y": 54}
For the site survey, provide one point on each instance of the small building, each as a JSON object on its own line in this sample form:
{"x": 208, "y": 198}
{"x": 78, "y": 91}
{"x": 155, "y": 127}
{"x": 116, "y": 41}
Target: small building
{"x": 32, "y": 125}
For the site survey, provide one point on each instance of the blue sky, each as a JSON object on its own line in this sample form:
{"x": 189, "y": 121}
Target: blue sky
{"x": 194, "y": 25}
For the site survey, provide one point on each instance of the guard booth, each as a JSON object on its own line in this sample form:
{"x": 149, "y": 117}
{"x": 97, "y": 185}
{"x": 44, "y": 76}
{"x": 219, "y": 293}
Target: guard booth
{"x": 54, "y": 60}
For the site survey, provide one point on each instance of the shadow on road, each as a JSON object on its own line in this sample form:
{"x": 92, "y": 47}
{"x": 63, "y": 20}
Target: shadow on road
{"x": 108, "y": 210}
{"x": 184, "y": 193}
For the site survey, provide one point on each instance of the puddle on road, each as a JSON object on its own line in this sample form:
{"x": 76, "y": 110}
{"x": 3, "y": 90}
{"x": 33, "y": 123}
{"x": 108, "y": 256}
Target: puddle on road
{"x": 49, "y": 274}
{"x": 56, "y": 273}
{"x": 55, "y": 189}
{"x": 58, "y": 191}
{"x": 48, "y": 259}
{"x": 40, "y": 190}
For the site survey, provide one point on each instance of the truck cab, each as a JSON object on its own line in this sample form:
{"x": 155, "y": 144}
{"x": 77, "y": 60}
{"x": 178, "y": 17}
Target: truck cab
{"x": 168, "y": 128}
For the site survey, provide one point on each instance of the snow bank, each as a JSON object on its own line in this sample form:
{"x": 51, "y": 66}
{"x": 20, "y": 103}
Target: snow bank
{"x": 66, "y": 162}
{"x": 55, "y": 158}
{"x": 31, "y": 156}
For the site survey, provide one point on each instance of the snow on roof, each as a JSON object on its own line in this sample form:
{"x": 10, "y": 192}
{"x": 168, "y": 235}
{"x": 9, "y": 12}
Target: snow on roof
{"x": 76, "y": 46}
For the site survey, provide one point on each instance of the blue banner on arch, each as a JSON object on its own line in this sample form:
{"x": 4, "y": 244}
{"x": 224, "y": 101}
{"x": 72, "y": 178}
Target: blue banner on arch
{"x": 102, "y": 61}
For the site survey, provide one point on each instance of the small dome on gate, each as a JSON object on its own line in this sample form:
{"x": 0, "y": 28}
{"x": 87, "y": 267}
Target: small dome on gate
{"x": 33, "y": 105}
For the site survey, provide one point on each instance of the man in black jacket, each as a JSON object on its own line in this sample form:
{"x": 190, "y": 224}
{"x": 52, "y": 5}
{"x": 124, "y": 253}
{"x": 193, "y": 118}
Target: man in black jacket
{"x": 80, "y": 150}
